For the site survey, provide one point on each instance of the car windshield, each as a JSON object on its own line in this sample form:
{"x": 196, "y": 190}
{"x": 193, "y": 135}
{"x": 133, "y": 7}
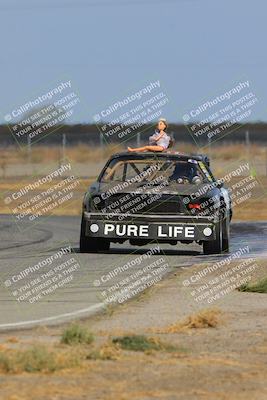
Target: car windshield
{"x": 146, "y": 170}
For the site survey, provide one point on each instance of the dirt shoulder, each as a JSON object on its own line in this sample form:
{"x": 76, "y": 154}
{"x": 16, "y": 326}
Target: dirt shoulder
{"x": 227, "y": 361}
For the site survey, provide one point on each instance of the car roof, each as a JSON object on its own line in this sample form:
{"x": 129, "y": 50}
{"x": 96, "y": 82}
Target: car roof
{"x": 166, "y": 154}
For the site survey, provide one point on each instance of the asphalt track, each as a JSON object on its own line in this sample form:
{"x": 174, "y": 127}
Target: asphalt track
{"x": 24, "y": 246}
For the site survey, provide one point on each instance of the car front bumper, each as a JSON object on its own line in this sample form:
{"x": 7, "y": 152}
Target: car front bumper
{"x": 149, "y": 227}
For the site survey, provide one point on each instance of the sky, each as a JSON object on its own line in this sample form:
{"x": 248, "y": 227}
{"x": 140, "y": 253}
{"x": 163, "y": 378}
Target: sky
{"x": 197, "y": 49}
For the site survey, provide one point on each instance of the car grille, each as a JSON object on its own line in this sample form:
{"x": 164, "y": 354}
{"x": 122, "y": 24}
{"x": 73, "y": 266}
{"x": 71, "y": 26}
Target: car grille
{"x": 143, "y": 203}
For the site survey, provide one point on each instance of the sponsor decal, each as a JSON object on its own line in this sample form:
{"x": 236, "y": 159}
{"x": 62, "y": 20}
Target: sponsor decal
{"x": 162, "y": 231}
{"x": 204, "y": 169}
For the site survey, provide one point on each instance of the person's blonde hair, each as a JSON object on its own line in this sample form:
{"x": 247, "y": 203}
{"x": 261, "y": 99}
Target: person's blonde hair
{"x": 165, "y": 123}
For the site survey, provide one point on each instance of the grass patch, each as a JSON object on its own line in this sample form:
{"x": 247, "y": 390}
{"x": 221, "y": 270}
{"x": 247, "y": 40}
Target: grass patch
{"x": 5, "y": 363}
{"x": 76, "y": 334}
{"x": 142, "y": 343}
{"x": 36, "y": 359}
{"x": 257, "y": 287}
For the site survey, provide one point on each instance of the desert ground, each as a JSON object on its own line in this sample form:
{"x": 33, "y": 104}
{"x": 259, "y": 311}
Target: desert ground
{"x": 217, "y": 351}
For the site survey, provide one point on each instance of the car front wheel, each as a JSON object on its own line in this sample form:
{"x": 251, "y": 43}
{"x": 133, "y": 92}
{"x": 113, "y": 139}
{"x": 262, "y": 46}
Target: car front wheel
{"x": 91, "y": 245}
{"x": 215, "y": 246}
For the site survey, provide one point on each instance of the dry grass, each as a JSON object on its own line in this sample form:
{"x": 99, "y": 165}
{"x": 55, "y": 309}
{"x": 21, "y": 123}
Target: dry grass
{"x": 12, "y": 339}
{"x": 253, "y": 210}
{"x": 109, "y": 351}
{"x": 209, "y": 318}
{"x": 237, "y": 151}
{"x": 38, "y": 358}
{"x": 80, "y": 153}
{"x": 83, "y": 153}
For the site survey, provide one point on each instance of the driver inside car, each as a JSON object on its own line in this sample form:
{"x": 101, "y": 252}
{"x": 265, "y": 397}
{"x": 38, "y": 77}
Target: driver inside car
{"x": 184, "y": 173}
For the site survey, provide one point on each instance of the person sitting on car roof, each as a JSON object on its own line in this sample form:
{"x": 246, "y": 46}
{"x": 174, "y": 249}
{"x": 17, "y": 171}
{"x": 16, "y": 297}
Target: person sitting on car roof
{"x": 160, "y": 141}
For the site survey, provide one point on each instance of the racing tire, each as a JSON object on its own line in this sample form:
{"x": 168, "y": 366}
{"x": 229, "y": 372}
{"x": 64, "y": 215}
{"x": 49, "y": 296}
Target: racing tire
{"x": 87, "y": 245}
{"x": 226, "y": 235}
{"x": 91, "y": 245}
{"x": 215, "y": 246}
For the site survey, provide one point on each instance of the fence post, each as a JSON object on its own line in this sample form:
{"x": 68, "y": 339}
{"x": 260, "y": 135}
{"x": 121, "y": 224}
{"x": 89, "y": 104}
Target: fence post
{"x": 64, "y": 141}
{"x": 248, "y": 145}
{"x": 101, "y": 144}
{"x": 29, "y": 149}
{"x": 138, "y": 139}
{"x": 101, "y": 141}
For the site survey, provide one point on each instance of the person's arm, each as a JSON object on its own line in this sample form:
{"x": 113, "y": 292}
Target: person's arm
{"x": 162, "y": 133}
{"x": 152, "y": 139}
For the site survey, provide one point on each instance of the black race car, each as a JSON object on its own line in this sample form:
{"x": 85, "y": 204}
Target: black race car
{"x": 165, "y": 197}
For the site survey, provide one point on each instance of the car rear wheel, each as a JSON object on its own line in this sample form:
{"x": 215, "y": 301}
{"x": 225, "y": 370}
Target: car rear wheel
{"x": 91, "y": 245}
{"x": 215, "y": 246}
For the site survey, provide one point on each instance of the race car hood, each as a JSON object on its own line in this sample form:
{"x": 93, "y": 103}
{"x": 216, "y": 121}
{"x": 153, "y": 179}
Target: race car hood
{"x": 172, "y": 188}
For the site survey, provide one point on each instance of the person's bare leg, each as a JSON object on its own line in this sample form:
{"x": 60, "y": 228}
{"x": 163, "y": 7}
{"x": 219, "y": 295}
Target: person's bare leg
{"x": 146, "y": 148}
{"x": 137, "y": 148}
